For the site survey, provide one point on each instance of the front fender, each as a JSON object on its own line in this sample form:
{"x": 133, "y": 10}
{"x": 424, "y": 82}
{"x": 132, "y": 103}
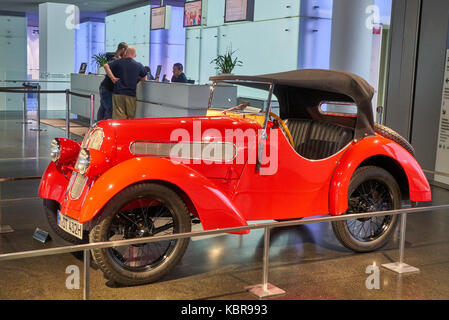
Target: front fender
{"x": 370, "y": 147}
{"x": 53, "y": 184}
{"x": 214, "y": 208}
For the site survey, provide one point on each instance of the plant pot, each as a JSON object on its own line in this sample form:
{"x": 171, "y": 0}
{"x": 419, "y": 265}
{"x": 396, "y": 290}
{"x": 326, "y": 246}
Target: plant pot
{"x": 101, "y": 70}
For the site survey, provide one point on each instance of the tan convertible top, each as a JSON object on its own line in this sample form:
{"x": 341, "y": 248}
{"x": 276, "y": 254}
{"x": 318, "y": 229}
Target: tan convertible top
{"x": 301, "y": 91}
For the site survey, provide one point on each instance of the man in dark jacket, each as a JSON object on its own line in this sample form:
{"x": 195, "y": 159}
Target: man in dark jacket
{"x": 125, "y": 74}
{"x": 178, "y": 74}
{"x": 107, "y": 86}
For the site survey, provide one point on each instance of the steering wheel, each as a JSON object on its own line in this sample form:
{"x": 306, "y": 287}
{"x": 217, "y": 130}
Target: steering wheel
{"x": 242, "y": 105}
{"x": 284, "y": 128}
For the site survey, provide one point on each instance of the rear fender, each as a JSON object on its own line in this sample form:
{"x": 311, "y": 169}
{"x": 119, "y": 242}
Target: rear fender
{"x": 418, "y": 186}
{"x": 213, "y": 207}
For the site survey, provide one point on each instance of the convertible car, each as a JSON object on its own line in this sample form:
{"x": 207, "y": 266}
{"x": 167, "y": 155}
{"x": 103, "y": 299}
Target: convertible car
{"x": 321, "y": 154}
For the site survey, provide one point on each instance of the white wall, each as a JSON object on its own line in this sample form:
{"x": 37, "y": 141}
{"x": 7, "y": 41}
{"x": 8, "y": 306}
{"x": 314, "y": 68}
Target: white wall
{"x": 132, "y": 27}
{"x": 269, "y": 44}
{"x": 13, "y": 57}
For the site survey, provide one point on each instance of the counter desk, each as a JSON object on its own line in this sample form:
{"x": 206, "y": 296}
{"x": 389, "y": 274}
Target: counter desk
{"x": 155, "y": 99}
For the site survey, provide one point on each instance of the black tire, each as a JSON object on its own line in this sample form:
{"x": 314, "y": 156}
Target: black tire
{"x": 396, "y": 137}
{"x": 51, "y": 208}
{"x": 371, "y": 189}
{"x": 119, "y": 265}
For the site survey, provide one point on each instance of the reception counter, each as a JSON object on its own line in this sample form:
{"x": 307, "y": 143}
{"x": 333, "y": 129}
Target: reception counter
{"x": 155, "y": 99}
{"x": 85, "y": 84}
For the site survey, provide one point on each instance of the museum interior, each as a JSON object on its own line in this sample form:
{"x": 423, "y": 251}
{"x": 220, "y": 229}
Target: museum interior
{"x": 263, "y": 142}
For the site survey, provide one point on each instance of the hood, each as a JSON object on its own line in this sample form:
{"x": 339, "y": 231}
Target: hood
{"x": 192, "y": 129}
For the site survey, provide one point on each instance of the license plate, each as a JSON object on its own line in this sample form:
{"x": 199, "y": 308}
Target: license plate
{"x": 70, "y": 225}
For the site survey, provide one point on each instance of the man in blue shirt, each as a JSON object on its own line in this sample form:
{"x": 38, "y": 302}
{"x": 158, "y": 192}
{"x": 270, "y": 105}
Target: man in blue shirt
{"x": 125, "y": 74}
{"x": 106, "y": 87}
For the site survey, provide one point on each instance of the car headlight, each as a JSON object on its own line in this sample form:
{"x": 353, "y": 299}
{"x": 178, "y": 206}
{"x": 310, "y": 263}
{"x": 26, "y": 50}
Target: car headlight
{"x": 55, "y": 150}
{"x": 83, "y": 162}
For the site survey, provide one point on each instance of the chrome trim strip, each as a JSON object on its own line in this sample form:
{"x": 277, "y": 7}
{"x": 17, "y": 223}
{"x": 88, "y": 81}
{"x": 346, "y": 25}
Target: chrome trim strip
{"x": 161, "y": 144}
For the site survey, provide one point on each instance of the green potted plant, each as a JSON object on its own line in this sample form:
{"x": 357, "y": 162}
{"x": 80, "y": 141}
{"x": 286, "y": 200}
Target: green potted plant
{"x": 100, "y": 60}
{"x": 225, "y": 63}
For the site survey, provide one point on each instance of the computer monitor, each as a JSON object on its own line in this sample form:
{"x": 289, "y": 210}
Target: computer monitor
{"x": 148, "y": 71}
{"x": 158, "y": 72}
{"x": 83, "y": 68}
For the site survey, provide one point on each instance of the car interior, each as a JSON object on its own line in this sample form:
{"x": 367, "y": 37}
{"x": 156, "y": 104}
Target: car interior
{"x": 317, "y": 140}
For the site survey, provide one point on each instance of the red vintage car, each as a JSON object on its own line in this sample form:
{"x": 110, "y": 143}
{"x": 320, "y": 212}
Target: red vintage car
{"x": 150, "y": 177}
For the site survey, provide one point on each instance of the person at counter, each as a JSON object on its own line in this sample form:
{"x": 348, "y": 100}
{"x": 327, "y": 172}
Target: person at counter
{"x": 178, "y": 74}
{"x": 106, "y": 87}
{"x": 125, "y": 73}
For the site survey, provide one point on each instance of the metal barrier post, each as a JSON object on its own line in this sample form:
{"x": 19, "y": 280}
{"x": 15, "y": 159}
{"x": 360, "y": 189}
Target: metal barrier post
{"x": 92, "y": 103}
{"x": 401, "y": 267}
{"x": 3, "y": 228}
{"x": 67, "y": 120}
{"x": 39, "y": 106}
{"x": 38, "y": 109}
{"x": 24, "y": 120}
{"x": 86, "y": 274}
{"x": 24, "y": 105}
{"x": 265, "y": 289}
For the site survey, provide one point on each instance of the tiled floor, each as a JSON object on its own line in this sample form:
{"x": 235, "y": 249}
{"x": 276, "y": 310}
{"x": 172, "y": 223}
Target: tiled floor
{"x": 306, "y": 261}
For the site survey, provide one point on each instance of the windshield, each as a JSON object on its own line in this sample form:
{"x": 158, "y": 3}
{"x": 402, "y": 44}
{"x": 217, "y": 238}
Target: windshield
{"x": 236, "y": 98}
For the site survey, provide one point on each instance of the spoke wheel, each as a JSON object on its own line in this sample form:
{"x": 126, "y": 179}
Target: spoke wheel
{"x": 147, "y": 221}
{"x": 371, "y": 189}
{"x": 143, "y": 210}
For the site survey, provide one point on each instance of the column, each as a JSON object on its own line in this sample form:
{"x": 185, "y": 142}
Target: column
{"x": 57, "y": 23}
{"x": 351, "y": 41}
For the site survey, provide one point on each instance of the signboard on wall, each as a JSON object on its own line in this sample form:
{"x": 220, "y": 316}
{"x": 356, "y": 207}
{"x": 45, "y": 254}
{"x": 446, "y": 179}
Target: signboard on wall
{"x": 239, "y": 10}
{"x": 442, "y": 158}
{"x": 160, "y": 18}
{"x": 192, "y": 13}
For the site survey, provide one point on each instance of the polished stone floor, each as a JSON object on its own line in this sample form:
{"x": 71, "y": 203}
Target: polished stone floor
{"x": 305, "y": 261}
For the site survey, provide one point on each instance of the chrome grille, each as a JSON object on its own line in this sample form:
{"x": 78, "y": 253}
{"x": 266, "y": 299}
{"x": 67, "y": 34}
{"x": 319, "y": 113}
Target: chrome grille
{"x": 93, "y": 139}
{"x": 76, "y": 185}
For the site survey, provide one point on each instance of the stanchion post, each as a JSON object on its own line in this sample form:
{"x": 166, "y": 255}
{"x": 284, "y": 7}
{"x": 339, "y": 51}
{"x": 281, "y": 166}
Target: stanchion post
{"x": 38, "y": 120}
{"x": 3, "y": 229}
{"x": 92, "y": 103}
{"x": 24, "y": 116}
{"x": 266, "y": 258}
{"x": 24, "y": 104}
{"x": 402, "y": 239}
{"x": 67, "y": 119}
{"x": 38, "y": 107}
{"x": 401, "y": 267}
{"x": 265, "y": 289}
{"x": 86, "y": 274}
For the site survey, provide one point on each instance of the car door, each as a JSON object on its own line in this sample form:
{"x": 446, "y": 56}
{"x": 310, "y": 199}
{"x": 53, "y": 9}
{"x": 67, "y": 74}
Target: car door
{"x": 291, "y": 186}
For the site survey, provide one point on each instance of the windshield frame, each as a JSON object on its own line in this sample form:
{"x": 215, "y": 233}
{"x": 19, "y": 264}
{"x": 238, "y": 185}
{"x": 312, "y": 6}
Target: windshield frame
{"x": 269, "y": 89}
